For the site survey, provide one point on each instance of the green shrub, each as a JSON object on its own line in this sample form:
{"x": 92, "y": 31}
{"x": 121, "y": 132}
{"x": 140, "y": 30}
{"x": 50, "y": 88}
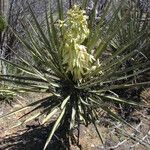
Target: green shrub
{"x": 2, "y": 23}
{"x": 6, "y": 96}
{"x": 71, "y": 59}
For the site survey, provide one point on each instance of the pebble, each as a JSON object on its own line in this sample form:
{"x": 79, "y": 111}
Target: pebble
{"x": 92, "y": 145}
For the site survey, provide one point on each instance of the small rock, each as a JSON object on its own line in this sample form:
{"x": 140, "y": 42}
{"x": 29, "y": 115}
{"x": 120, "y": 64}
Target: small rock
{"x": 92, "y": 145}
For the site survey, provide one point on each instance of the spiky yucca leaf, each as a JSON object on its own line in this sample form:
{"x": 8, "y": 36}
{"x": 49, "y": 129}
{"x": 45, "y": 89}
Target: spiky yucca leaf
{"x": 71, "y": 58}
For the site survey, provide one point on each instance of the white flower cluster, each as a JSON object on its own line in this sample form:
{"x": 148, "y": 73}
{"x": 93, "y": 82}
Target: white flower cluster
{"x": 75, "y": 30}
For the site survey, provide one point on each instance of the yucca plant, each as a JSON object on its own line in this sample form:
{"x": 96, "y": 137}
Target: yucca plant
{"x": 72, "y": 60}
{"x": 138, "y": 21}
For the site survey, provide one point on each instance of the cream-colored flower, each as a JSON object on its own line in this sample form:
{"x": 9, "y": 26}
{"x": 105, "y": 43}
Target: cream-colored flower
{"x": 76, "y": 59}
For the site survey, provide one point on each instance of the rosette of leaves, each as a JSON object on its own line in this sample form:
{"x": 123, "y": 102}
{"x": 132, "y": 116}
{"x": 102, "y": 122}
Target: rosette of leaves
{"x": 71, "y": 59}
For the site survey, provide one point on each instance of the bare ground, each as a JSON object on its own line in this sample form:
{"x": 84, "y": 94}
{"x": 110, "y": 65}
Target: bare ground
{"x": 33, "y": 136}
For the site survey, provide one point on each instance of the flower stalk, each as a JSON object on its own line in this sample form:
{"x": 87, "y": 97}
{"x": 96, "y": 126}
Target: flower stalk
{"x": 76, "y": 59}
